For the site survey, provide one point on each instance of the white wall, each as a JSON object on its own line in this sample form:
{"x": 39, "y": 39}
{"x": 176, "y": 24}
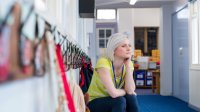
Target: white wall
{"x": 78, "y": 29}
{"x": 194, "y": 75}
{"x": 72, "y": 18}
{"x": 125, "y": 22}
{"x": 194, "y": 88}
{"x": 29, "y": 95}
{"x": 146, "y": 17}
{"x": 92, "y": 49}
{"x": 165, "y": 51}
{"x": 130, "y": 18}
{"x": 35, "y": 94}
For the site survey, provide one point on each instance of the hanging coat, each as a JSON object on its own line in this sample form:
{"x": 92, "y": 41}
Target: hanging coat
{"x": 85, "y": 77}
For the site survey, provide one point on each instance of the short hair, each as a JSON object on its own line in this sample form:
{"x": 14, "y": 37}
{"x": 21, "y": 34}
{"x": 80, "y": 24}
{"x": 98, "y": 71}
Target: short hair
{"x": 113, "y": 42}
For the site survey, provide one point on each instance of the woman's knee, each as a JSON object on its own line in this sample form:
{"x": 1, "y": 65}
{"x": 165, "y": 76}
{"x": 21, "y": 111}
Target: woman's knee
{"x": 132, "y": 103}
{"x": 120, "y": 101}
{"x": 130, "y": 96}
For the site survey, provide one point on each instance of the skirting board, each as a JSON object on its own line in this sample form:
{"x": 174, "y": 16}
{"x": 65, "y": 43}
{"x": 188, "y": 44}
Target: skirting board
{"x": 194, "y": 107}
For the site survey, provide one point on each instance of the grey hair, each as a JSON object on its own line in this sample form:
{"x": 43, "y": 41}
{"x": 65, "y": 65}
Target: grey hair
{"x": 113, "y": 43}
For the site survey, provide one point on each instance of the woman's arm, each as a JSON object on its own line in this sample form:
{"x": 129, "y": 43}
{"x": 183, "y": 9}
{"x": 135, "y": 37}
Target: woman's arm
{"x": 129, "y": 82}
{"x": 108, "y": 83}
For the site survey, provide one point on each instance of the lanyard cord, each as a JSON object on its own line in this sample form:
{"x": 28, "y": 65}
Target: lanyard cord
{"x": 115, "y": 79}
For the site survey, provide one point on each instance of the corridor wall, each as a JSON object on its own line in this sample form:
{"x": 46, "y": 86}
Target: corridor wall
{"x": 33, "y": 94}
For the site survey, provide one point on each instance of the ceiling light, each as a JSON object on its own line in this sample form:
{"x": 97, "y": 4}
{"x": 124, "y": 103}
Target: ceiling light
{"x": 132, "y": 2}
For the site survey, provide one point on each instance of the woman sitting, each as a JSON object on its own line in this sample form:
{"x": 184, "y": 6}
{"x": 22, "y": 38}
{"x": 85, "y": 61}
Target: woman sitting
{"x": 112, "y": 88}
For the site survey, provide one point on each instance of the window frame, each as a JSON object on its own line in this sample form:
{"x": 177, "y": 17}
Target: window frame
{"x": 145, "y": 49}
{"x": 194, "y": 15}
{"x": 105, "y": 37}
{"x": 106, "y": 20}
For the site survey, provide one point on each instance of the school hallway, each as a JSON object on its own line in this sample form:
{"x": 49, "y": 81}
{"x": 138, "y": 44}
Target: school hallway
{"x": 49, "y": 50}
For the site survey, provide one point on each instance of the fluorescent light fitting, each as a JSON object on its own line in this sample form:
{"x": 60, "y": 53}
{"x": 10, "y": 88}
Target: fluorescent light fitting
{"x": 132, "y": 2}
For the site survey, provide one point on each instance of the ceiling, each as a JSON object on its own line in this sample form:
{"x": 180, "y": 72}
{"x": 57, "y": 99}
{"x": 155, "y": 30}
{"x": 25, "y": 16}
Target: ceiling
{"x": 107, "y": 4}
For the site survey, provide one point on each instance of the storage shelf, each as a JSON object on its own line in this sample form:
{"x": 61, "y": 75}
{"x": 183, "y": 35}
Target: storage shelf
{"x": 143, "y": 78}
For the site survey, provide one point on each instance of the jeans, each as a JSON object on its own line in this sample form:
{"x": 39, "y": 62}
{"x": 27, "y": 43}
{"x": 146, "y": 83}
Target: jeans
{"x": 127, "y": 103}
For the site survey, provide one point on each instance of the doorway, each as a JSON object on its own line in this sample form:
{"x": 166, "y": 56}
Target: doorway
{"x": 180, "y": 67}
{"x": 146, "y": 39}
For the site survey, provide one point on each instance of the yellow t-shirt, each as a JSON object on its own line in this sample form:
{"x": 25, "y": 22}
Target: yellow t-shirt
{"x": 97, "y": 89}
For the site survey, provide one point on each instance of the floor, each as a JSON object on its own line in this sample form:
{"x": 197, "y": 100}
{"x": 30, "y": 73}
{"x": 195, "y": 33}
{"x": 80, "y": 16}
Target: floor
{"x": 145, "y": 92}
{"x": 152, "y": 102}
{"x": 158, "y": 103}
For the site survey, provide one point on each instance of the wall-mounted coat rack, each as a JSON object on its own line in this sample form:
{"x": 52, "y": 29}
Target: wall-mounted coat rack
{"x": 24, "y": 46}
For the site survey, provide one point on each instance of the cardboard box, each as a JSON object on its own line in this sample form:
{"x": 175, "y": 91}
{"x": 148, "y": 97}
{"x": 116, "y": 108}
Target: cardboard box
{"x": 152, "y": 65}
{"x": 143, "y": 62}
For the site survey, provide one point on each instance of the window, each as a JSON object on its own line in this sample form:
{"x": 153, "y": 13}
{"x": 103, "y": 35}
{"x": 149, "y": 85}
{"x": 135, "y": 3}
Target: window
{"x": 195, "y": 29}
{"x": 104, "y": 34}
{"x": 109, "y": 14}
{"x": 41, "y": 5}
{"x": 146, "y": 39}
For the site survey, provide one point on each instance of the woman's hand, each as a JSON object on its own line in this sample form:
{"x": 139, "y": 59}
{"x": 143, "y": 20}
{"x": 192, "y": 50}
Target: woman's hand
{"x": 131, "y": 92}
{"x": 127, "y": 62}
{"x": 129, "y": 82}
{"x": 106, "y": 79}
